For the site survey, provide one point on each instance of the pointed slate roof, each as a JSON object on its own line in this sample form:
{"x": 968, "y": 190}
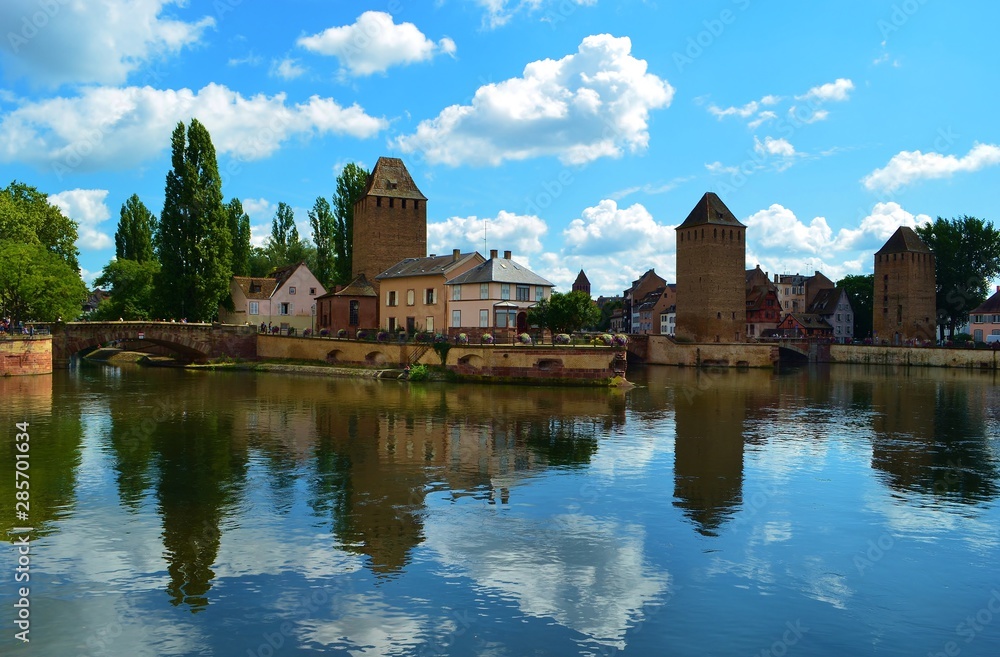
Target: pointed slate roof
{"x": 904, "y": 240}
{"x": 710, "y": 210}
{"x": 389, "y": 177}
{"x": 581, "y": 279}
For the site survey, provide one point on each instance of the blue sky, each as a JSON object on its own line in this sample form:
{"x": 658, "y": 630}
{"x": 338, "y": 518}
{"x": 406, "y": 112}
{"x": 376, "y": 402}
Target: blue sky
{"x": 577, "y": 133}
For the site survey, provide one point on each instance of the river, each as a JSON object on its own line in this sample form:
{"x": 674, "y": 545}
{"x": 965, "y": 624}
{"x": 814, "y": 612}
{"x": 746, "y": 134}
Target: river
{"x": 824, "y": 511}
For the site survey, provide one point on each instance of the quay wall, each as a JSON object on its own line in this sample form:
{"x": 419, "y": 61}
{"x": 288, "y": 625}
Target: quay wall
{"x": 916, "y": 356}
{"x": 21, "y": 355}
{"x": 661, "y": 350}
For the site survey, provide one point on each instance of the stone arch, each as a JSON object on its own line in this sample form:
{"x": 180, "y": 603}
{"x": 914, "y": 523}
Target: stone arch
{"x": 375, "y": 357}
{"x": 546, "y": 364}
{"x": 334, "y": 355}
{"x": 472, "y": 360}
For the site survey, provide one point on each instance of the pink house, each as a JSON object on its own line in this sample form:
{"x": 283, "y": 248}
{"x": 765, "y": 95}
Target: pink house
{"x": 286, "y": 298}
{"x": 985, "y": 320}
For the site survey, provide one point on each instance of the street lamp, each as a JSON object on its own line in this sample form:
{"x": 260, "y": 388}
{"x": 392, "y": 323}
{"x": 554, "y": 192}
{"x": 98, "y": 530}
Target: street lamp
{"x": 312, "y": 321}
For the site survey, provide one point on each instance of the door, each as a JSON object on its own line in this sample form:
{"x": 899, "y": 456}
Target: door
{"x": 522, "y": 322}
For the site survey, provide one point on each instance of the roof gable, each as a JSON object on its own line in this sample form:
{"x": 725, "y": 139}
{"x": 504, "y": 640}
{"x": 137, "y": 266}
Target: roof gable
{"x": 500, "y": 270}
{"x": 989, "y": 307}
{"x": 427, "y": 266}
{"x": 390, "y": 178}
{"x": 904, "y": 240}
{"x": 710, "y": 210}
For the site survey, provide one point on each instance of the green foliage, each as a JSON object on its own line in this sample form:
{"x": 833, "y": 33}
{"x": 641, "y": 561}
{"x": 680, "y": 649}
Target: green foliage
{"x": 860, "y": 291}
{"x": 565, "y": 313}
{"x": 418, "y": 373}
{"x": 193, "y": 241}
{"x": 239, "y": 229}
{"x": 442, "y": 348}
{"x": 27, "y": 217}
{"x": 350, "y": 187}
{"x": 284, "y": 235}
{"x": 324, "y": 235}
{"x": 134, "y": 237}
{"x": 132, "y": 292}
{"x": 37, "y": 284}
{"x": 608, "y": 309}
{"x": 967, "y": 255}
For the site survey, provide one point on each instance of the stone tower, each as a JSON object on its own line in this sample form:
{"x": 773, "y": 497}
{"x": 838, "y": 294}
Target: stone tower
{"x": 711, "y": 274}
{"x": 582, "y": 283}
{"x": 905, "y": 289}
{"x": 390, "y": 220}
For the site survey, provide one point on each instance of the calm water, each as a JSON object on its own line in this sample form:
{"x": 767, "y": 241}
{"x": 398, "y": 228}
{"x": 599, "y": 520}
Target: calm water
{"x": 818, "y": 512}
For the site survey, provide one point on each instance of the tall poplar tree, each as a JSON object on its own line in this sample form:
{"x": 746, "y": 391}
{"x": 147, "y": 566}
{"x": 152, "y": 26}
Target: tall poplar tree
{"x": 284, "y": 235}
{"x": 134, "y": 237}
{"x": 239, "y": 230}
{"x": 193, "y": 241}
{"x": 324, "y": 229}
{"x": 350, "y": 187}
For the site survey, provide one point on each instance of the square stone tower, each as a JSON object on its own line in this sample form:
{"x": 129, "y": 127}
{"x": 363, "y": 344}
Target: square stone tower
{"x": 905, "y": 289}
{"x": 711, "y": 274}
{"x": 390, "y": 220}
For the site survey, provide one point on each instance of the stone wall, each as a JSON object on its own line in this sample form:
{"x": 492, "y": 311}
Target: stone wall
{"x": 711, "y": 283}
{"x": 23, "y": 355}
{"x": 918, "y": 356}
{"x": 905, "y": 301}
{"x": 661, "y": 350}
{"x": 386, "y": 232}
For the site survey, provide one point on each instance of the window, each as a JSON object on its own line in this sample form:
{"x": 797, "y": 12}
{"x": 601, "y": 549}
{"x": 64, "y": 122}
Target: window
{"x": 505, "y": 317}
{"x": 291, "y": 290}
{"x": 430, "y": 297}
{"x": 523, "y": 293}
{"x": 409, "y": 297}
{"x": 484, "y": 290}
{"x": 391, "y": 299}
{"x": 456, "y": 292}
{"x": 312, "y": 291}
{"x": 378, "y": 201}
{"x": 505, "y": 291}
{"x": 429, "y": 324}
{"x": 484, "y": 318}
{"x": 456, "y": 318}
{"x": 254, "y": 307}
{"x": 285, "y": 308}
{"x": 392, "y": 325}
{"x": 254, "y": 287}
{"x": 355, "y": 307}
{"x": 539, "y": 292}
{"x": 838, "y": 317}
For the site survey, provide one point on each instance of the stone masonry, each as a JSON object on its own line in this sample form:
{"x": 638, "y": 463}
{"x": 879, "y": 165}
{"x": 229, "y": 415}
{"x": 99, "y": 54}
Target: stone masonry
{"x": 905, "y": 289}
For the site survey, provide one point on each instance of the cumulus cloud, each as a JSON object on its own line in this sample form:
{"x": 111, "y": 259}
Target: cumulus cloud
{"x": 260, "y": 211}
{"x": 286, "y": 69}
{"x": 99, "y": 41}
{"x": 374, "y": 43}
{"x": 836, "y": 91}
{"x": 108, "y": 127}
{"x": 907, "y": 167}
{"x": 591, "y": 104}
{"x": 772, "y": 146}
{"x": 507, "y": 231}
{"x": 499, "y": 12}
{"x": 87, "y": 207}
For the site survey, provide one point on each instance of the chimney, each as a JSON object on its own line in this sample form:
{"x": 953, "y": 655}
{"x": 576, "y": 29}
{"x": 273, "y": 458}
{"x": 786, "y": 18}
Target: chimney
{"x": 506, "y": 255}
{"x": 456, "y": 255}
{"x": 493, "y": 253}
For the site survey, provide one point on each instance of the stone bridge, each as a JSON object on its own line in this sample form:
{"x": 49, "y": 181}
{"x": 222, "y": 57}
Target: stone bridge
{"x": 190, "y": 342}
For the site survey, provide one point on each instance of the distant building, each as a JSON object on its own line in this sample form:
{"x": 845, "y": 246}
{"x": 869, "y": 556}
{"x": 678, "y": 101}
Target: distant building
{"x": 796, "y": 291}
{"x": 984, "y": 320}
{"x": 711, "y": 261}
{"x": 641, "y": 286}
{"x": 285, "y": 298}
{"x": 94, "y": 299}
{"x": 582, "y": 283}
{"x": 834, "y": 306}
{"x": 353, "y": 307}
{"x": 495, "y": 295}
{"x": 804, "y": 325}
{"x": 668, "y": 321}
{"x": 763, "y": 309}
{"x": 905, "y": 289}
{"x": 413, "y": 296}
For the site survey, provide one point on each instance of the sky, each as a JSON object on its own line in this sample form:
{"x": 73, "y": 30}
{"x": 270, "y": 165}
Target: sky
{"x": 576, "y": 133}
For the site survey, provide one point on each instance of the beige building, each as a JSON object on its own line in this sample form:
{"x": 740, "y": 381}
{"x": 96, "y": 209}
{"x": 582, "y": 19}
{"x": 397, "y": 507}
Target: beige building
{"x": 286, "y": 298}
{"x": 412, "y": 293}
{"x": 905, "y": 289}
{"x": 495, "y": 295}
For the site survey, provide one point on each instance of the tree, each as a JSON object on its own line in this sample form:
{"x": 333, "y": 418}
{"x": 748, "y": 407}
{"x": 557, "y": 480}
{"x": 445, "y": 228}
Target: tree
{"x": 239, "y": 230}
{"x": 27, "y": 217}
{"x": 861, "y": 292}
{"x": 565, "y": 313}
{"x": 134, "y": 237}
{"x": 131, "y": 286}
{"x": 967, "y": 257}
{"x": 350, "y": 187}
{"x": 193, "y": 241}
{"x": 324, "y": 229}
{"x": 284, "y": 234}
{"x": 607, "y": 310}
{"x": 37, "y": 284}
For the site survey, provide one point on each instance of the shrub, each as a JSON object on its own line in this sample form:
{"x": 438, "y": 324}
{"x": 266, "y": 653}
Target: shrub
{"x": 524, "y": 338}
{"x": 341, "y": 333}
{"x": 487, "y": 338}
{"x": 382, "y": 336}
{"x": 562, "y": 338}
{"x": 603, "y": 340}
{"x": 418, "y": 373}
{"x": 324, "y": 333}
{"x": 620, "y": 340}
{"x": 462, "y": 338}
{"x": 424, "y": 337}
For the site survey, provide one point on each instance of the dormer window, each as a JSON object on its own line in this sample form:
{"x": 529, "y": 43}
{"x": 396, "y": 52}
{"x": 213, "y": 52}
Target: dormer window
{"x": 291, "y": 290}
{"x": 254, "y": 287}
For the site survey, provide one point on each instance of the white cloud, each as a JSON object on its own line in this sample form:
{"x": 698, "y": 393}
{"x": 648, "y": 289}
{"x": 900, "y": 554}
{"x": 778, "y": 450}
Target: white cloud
{"x": 260, "y": 211}
{"x": 374, "y": 43}
{"x": 772, "y": 146}
{"x": 762, "y": 118}
{"x": 746, "y": 111}
{"x": 878, "y": 226}
{"x": 286, "y": 69}
{"x": 910, "y": 166}
{"x": 98, "y": 41}
{"x": 88, "y": 209}
{"x": 507, "y": 231}
{"x": 251, "y": 59}
{"x": 119, "y": 128}
{"x": 778, "y": 227}
{"x": 499, "y": 12}
{"x": 650, "y": 188}
{"x": 838, "y": 90}
{"x": 591, "y": 104}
